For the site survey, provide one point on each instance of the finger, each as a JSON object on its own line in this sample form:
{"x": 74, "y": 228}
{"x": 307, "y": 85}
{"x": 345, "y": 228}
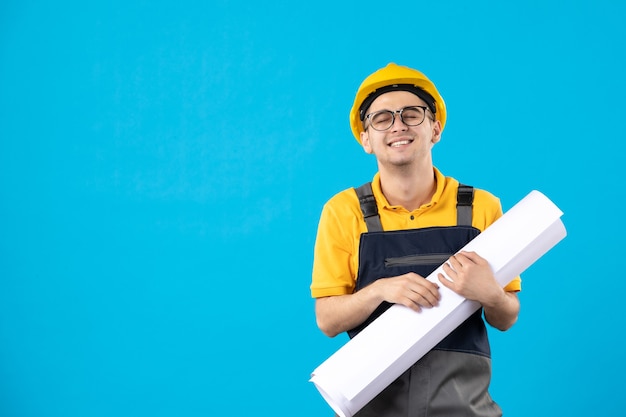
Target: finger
{"x": 449, "y": 270}
{"x": 446, "y": 282}
{"x": 425, "y": 300}
{"x": 432, "y": 287}
{"x": 427, "y": 295}
{"x": 472, "y": 257}
{"x": 455, "y": 261}
{"x": 410, "y": 300}
{"x": 419, "y": 281}
{"x": 454, "y": 264}
{"x": 412, "y": 305}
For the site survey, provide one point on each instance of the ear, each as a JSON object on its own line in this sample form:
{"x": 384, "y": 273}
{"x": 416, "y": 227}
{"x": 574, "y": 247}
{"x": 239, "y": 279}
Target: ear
{"x": 365, "y": 142}
{"x": 436, "y": 125}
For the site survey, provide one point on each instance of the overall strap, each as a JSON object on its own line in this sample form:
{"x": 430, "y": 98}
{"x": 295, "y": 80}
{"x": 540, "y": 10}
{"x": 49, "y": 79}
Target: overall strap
{"x": 464, "y": 200}
{"x": 369, "y": 208}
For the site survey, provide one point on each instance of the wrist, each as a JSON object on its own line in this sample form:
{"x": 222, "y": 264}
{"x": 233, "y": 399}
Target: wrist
{"x": 370, "y": 295}
{"x": 496, "y": 300}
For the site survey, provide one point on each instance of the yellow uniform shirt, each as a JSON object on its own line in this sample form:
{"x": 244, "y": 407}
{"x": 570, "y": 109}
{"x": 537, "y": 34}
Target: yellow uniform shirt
{"x": 336, "y": 258}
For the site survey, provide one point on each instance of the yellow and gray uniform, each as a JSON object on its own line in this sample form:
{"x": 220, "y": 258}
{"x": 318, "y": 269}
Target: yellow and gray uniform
{"x": 453, "y": 378}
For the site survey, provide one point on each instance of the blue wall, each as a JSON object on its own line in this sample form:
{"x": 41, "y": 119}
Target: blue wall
{"x": 163, "y": 166}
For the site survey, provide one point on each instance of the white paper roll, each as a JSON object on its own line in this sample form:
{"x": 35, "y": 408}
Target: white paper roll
{"x": 379, "y": 354}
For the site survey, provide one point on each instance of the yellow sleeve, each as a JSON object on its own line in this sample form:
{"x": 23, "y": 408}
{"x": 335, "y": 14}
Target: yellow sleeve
{"x": 514, "y": 286}
{"x": 335, "y": 262}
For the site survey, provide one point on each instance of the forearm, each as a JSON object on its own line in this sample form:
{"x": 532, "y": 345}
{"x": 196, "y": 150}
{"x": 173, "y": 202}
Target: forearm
{"x": 502, "y": 313}
{"x": 338, "y": 314}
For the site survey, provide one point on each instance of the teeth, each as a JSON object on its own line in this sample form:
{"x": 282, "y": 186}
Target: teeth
{"x": 400, "y": 143}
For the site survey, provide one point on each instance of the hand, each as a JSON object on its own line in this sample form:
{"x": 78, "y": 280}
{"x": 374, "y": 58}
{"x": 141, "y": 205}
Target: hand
{"x": 340, "y": 313}
{"x": 472, "y": 278}
{"x": 410, "y": 290}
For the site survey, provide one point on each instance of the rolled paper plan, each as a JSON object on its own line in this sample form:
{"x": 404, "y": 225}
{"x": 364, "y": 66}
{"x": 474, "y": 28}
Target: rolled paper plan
{"x": 380, "y": 353}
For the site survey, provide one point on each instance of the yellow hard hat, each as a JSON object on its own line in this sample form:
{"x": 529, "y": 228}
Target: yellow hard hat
{"x": 394, "y": 78}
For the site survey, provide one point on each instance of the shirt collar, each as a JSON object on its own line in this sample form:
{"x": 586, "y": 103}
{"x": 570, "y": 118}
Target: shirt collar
{"x": 382, "y": 200}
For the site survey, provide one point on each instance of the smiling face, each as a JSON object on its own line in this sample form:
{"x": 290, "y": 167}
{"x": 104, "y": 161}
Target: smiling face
{"x": 400, "y": 145}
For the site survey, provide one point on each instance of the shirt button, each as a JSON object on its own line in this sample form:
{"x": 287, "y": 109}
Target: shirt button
{"x": 412, "y": 217}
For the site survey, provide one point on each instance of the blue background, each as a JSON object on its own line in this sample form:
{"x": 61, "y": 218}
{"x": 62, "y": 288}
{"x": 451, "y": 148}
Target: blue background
{"x": 163, "y": 166}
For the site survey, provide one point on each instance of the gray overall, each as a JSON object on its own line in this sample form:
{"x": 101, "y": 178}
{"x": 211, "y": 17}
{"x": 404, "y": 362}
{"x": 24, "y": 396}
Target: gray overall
{"x": 453, "y": 378}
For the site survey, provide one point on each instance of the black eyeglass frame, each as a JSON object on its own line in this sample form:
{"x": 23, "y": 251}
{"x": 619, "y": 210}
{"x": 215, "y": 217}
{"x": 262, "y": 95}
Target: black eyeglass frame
{"x": 393, "y": 117}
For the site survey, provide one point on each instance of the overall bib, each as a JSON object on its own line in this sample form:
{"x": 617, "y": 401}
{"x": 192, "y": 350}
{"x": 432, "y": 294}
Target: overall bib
{"x": 453, "y": 378}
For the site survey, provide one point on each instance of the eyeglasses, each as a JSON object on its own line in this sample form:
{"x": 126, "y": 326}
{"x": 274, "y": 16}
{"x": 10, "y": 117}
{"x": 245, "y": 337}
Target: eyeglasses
{"x": 410, "y": 116}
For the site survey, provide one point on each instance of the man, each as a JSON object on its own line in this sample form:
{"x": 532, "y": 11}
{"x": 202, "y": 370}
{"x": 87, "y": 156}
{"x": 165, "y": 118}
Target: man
{"x": 376, "y": 244}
